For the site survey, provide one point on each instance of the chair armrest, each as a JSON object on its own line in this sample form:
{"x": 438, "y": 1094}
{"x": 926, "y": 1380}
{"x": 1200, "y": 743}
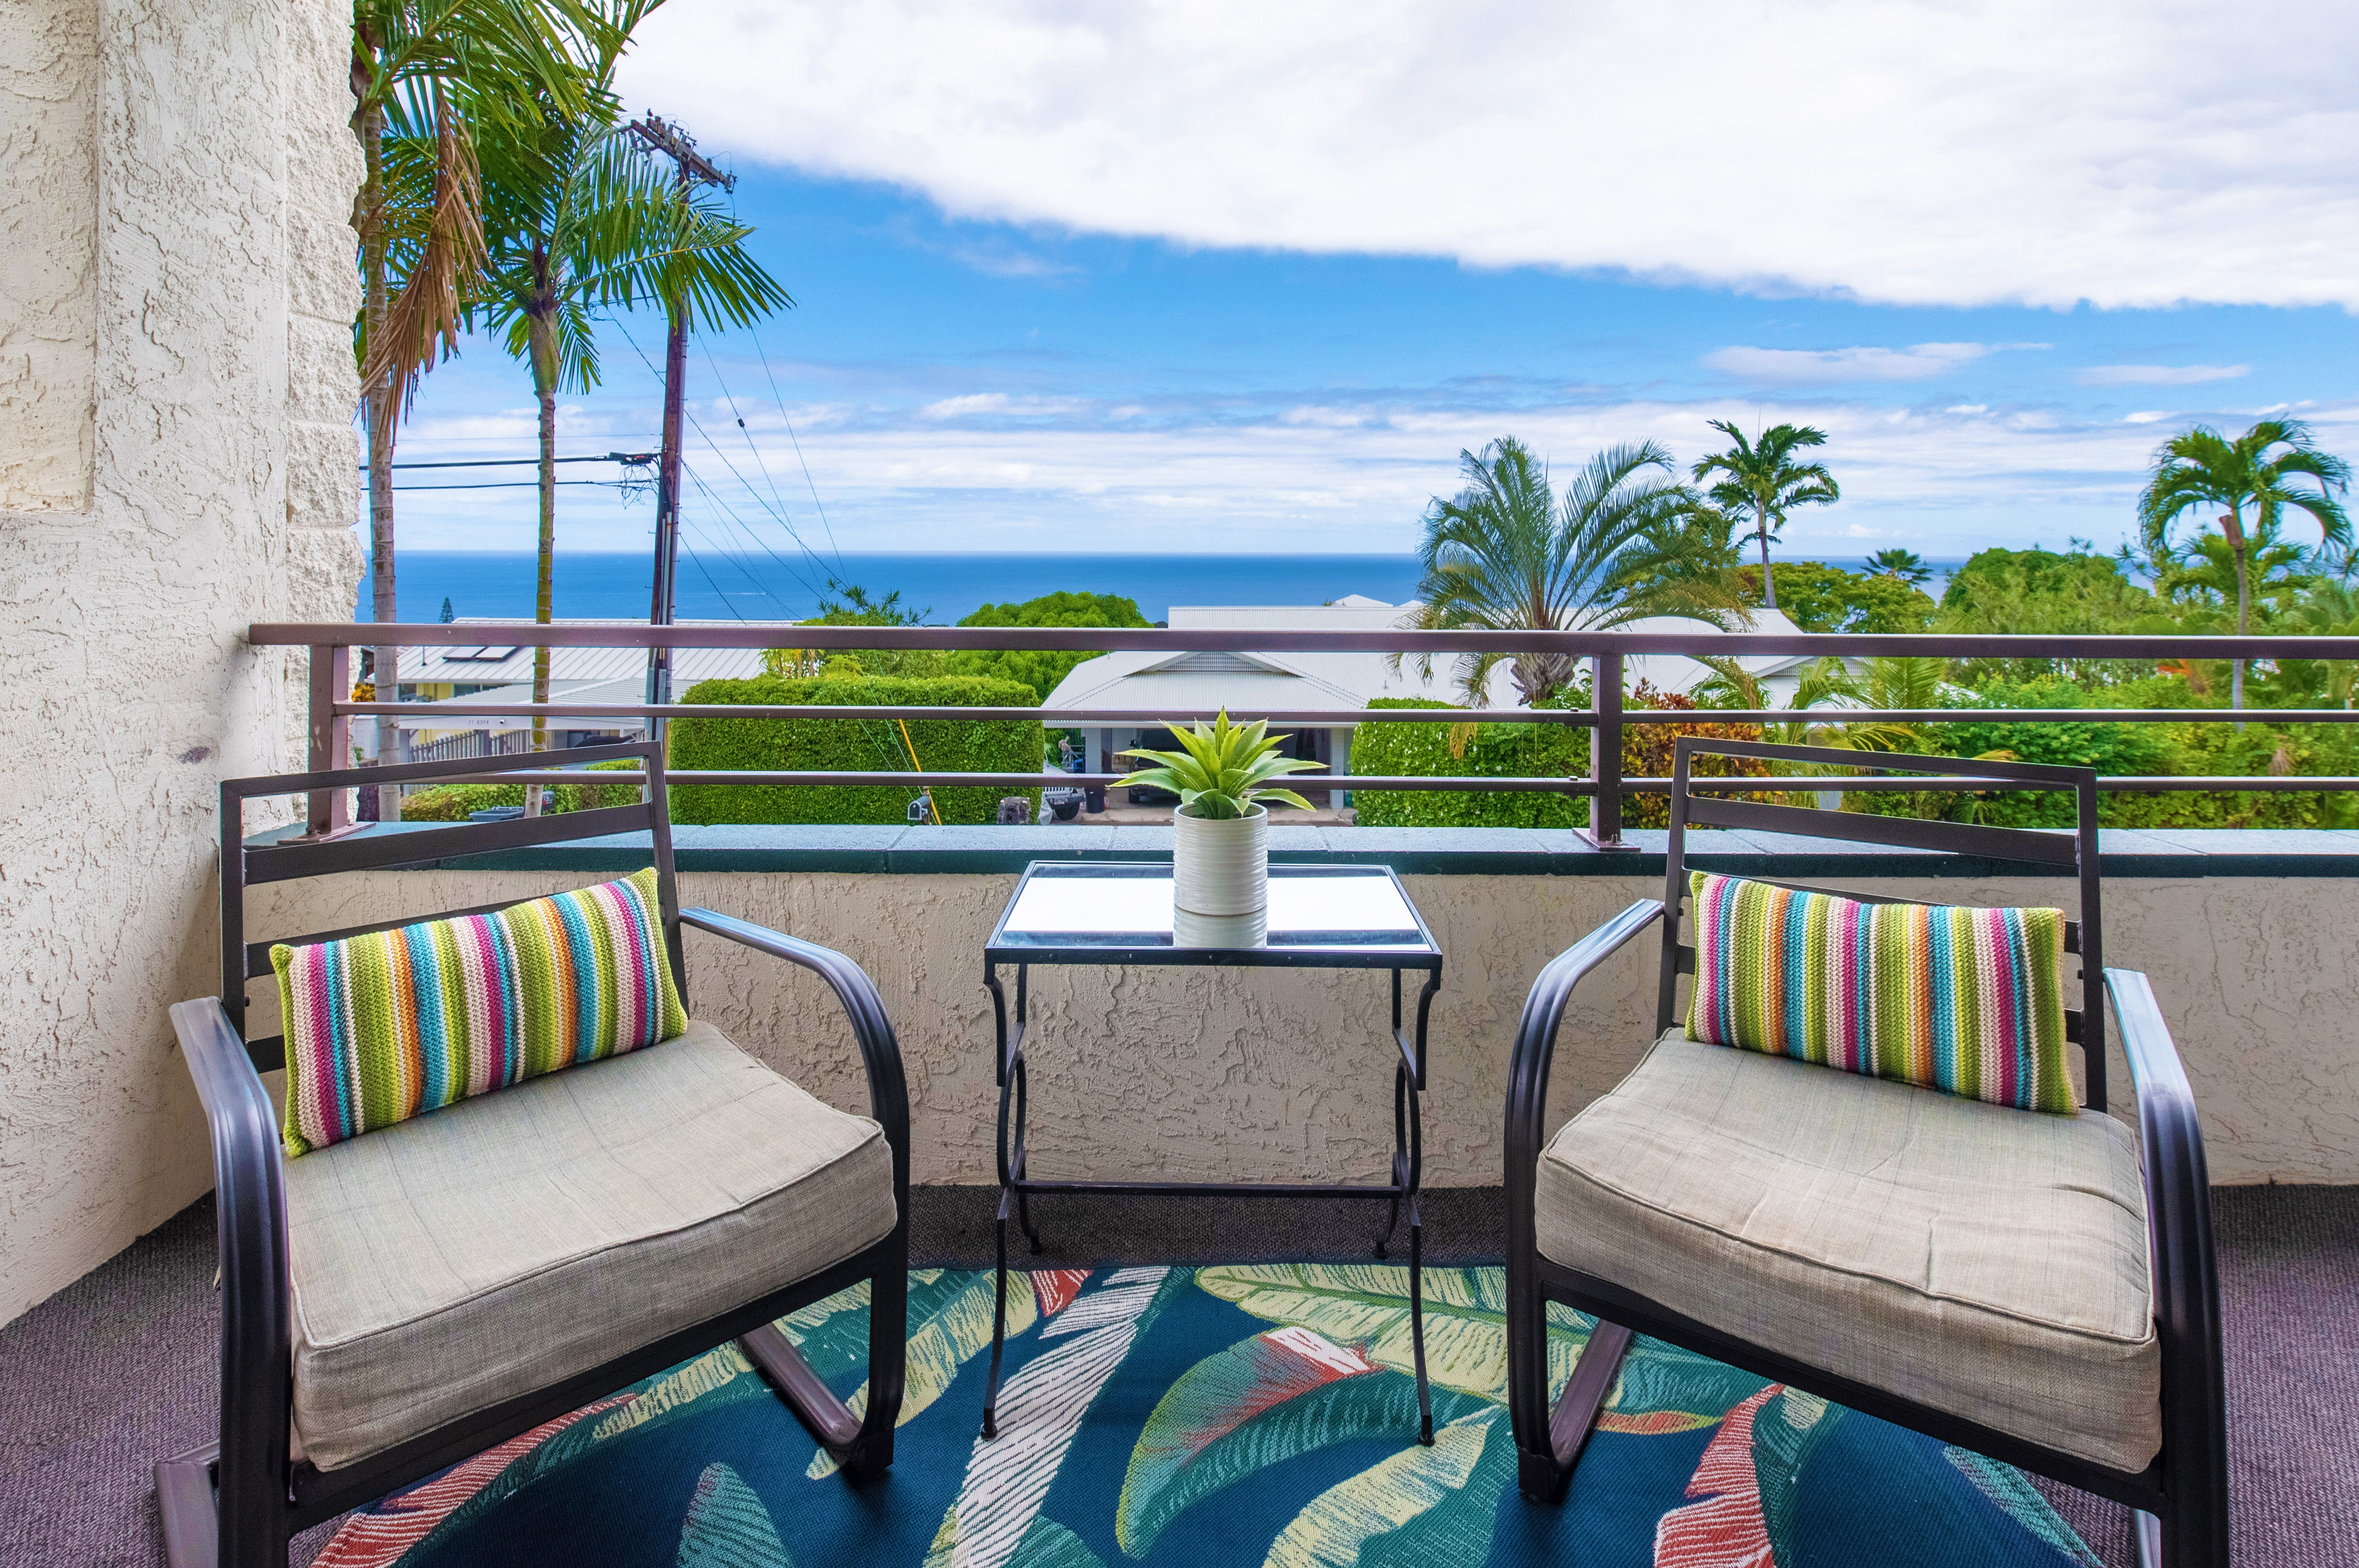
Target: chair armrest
{"x": 2179, "y": 1227}
{"x": 250, "y": 1221}
{"x": 1528, "y": 1086}
{"x": 880, "y": 1051}
{"x": 1528, "y": 1069}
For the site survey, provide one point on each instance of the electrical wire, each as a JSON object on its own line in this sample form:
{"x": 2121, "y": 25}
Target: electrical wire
{"x": 730, "y": 513}
{"x": 721, "y": 381}
{"x": 517, "y": 484}
{"x": 706, "y": 437}
{"x": 780, "y": 398}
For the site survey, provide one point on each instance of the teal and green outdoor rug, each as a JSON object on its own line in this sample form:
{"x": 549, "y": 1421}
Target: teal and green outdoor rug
{"x": 1204, "y": 1418}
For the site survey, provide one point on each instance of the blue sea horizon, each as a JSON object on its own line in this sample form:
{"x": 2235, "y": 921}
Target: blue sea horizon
{"x": 614, "y": 586}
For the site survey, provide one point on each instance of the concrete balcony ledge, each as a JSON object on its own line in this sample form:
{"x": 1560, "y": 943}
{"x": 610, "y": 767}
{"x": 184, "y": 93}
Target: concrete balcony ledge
{"x": 1183, "y": 1073}
{"x": 891, "y": 848}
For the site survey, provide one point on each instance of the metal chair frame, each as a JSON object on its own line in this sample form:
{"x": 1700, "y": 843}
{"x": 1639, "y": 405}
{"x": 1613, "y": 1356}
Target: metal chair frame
{"x": 235, "y": 1502}
{"x": 2179, "y": 1502}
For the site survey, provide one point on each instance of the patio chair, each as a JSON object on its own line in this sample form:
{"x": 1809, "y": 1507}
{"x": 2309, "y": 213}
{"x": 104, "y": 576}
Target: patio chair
{"x": 2036, "y": 1287}
{"x": 457, "y": 1279}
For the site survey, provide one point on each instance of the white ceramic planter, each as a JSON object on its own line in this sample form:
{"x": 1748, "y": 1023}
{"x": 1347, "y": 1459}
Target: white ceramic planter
{"x": 1189, "y": 930}
{"x": 1220, "y": 868}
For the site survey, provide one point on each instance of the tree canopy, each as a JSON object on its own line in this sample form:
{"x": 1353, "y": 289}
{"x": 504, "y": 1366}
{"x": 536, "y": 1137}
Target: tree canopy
{"x": 1820, "y": 598}
{"x": 1041, "y": 669}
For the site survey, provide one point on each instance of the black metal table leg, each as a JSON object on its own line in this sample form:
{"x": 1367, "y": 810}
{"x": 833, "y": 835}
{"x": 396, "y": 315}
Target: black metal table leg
{"x": 1417, "y": 1321}
{"x": 1400, "y": 1158}
{"x": 999, "y": 1330}
{"x": 1023, "y": 1199}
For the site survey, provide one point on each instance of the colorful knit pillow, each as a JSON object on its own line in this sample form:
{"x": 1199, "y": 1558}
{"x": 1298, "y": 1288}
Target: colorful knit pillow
{"x": 1966, "y": 1000}
{"x": 390, "y": 1025}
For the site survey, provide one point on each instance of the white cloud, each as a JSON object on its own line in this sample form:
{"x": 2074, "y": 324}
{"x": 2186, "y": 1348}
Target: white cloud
{"x": 1827, "y": 367}
{"x": 1954, "y": 152}
{"x": 2159, "y": 375}
{"x": 1000, "y": 263}
{"x": 975, "y": 404}
{"x": 2147, "y": 416}
{"x": 1333, "y": 419}
{"x": 1941, "y": 481}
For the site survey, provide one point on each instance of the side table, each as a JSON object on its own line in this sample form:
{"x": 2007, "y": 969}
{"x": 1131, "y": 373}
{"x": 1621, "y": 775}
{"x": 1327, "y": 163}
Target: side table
{"x": 1331, "y": 917}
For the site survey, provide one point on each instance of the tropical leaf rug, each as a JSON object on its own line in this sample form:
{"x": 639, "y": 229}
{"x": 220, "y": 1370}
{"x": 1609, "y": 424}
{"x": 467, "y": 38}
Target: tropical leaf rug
{"x": 1201, "y": 1418}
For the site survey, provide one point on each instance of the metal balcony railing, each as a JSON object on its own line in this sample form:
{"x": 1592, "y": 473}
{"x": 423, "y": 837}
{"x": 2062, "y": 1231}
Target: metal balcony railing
{"x": 330, "y": 711}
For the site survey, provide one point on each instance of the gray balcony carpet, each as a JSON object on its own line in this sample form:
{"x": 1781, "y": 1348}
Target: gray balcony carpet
{"x": 118, "y": 1368}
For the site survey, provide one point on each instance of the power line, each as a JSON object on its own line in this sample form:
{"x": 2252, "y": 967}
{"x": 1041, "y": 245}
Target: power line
{"x": 520, "y": 484}
{"x": 780, "y": 398}
{"x": 755, "y": 495}
{"x": 633, "y": 459}
{"x": 730, "y": 513}
{"x": 750, "y": 444}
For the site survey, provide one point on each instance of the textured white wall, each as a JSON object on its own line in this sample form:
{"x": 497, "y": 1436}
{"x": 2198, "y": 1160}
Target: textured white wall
{"x": 1279, "y": 1075}
{"x": 179, "y": 177}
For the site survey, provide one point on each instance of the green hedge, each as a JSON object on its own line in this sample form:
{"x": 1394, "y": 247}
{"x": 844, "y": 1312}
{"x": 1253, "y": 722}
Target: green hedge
{"x": 836, "y": 745}
{"x": 1495, "y": 751}
{"x": 452, "y": 803}
{"x": 2118, "y": 749}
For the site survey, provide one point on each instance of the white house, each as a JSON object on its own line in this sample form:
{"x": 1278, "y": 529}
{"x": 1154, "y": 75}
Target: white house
{"x": 1260, "y": 682}
{"x": 501, "y": 672}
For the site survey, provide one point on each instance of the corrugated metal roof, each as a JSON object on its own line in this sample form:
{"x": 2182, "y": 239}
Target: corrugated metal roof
{"x": 510, "y": 663}
{"x": 451, "y": 712}
{"x": 1143, "y": 680}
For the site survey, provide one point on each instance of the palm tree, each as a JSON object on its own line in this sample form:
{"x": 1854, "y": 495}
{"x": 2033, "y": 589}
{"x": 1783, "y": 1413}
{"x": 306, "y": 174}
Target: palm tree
{"x": 1881, "y": 685}
{"x": 576, "y": 219}
{"x": 2261, "y": 468}
{"x": 1764, "y": 479}
{"x": 433, "y": 70}
{"x": 1503, "y": 555}
{"x": 1907, "y": 566}
{"x": 1689, "y": 562}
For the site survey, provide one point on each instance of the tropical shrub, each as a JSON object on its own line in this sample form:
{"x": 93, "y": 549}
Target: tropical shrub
{"x": 2040, "y": 592}
{"x": 1524, "y": 751}
{"x": 453, "y": 802}
{"x": 1008, "y": 746}
{"x": 1478, "y": 750}
{"x": 1041, "y": 669}
{"x": 1820, "y": 598}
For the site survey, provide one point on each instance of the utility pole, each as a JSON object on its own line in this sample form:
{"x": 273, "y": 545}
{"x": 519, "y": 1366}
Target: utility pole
{"x": 656, "y": 135}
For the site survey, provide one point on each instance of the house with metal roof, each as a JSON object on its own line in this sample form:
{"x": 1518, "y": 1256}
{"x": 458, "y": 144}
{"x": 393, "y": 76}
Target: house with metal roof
{"x": 501, "y": 672}
{"x": 1260, "y": 683}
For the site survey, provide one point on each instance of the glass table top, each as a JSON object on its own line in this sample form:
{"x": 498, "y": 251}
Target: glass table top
{"x": 1351, "y": 916}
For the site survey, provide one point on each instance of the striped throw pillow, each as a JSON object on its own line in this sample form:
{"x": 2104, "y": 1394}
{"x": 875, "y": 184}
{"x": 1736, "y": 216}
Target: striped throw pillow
{"x": 390, "y": 1025}
{"x": 1966, "y": 1000}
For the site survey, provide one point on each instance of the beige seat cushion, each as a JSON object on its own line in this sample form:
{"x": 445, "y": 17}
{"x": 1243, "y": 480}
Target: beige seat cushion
{"x": 1986, "y": 1261}
{"x": 461, "y": 1258}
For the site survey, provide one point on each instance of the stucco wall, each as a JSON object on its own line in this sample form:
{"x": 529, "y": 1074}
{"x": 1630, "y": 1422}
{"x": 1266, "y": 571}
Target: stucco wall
{"x": 178, "y": 185}
{"x": 1276, "y": 1076}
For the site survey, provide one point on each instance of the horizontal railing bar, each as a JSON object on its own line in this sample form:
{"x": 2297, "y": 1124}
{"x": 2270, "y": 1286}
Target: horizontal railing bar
{"x": 1991, "y": 715}
{"x": 1781, "y": 783}
{"x": 1803, "y": 783}
{"x": 1055, "y": 718}
{"x": 678, "y": 776}
{"x": 1279, "y": 639}
{"x": 1064, "y": 718}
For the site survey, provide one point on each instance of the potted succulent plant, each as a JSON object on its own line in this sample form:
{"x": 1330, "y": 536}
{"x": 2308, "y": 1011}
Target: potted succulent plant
{"x": 1220, "y": 862}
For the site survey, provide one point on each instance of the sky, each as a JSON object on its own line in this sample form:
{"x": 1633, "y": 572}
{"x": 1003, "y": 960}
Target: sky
{"x": 1232, "y": 278}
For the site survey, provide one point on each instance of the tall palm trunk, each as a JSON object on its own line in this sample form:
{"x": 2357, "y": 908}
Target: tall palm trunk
{"x": 1768, "y": 583}
{"x": 2232, "y": 525}
{"x": 378, "y": 409}
{"x": 543, "y": 335}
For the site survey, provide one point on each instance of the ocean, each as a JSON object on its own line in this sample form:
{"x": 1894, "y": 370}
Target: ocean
{"x": 614, "y": 587}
